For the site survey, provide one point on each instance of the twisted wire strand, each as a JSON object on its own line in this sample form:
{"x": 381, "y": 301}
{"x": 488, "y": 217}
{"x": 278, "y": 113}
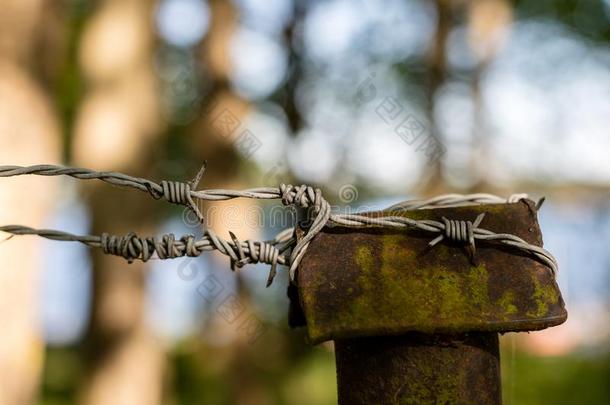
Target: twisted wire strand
{"x": 455, "y": 200}
{"x": 265, "y": 193}
{"x": 131, "y": 246}
{"x": 137, "y": 183}
{"x": 284, "y": 249}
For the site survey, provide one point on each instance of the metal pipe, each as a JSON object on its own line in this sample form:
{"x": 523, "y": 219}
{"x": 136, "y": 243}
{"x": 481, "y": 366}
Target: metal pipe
{"x": 419, "y": 369}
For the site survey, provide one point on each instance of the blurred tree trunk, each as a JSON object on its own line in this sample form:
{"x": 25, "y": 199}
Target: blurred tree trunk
{"x": 488, "y": 21}
{"x": 216, "y": 132}
{"x": 116, "y": 128}
{"x": 437, "y": 72}
{"x": 29, "y": 134}
{"x": 294, "y": 75}
{"x": 219, "y": 138}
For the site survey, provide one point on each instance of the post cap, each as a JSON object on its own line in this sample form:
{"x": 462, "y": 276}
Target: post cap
{"x": 373, "y": 282}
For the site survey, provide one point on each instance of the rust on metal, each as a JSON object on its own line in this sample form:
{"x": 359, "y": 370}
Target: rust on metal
{"x": 378, "y": 282}
{"x": 419, "y": 369}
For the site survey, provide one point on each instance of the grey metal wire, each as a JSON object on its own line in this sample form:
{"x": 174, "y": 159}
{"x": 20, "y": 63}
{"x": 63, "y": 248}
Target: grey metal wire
{"x": 284, "y": 249}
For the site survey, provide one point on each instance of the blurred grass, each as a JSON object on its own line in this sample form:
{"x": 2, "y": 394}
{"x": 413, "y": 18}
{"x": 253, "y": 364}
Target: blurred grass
{"x": 295, "y": 374}
{"x": 61, "y": 376}
{"x": 579, "y": 378}
{"x": 310, "y": 378}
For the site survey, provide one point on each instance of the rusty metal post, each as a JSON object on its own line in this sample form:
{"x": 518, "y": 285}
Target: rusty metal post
{"x": 418, "y": 325}
{"x": 419, "y": 369}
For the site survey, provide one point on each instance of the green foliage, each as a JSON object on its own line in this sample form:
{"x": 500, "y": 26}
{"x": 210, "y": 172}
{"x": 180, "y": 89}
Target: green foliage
{"x": 206, "y": 376}
{"x": 573, "y": 379}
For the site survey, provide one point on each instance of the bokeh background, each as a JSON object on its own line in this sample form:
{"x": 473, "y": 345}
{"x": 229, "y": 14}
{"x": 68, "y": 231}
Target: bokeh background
{"x": 374, "y": 102}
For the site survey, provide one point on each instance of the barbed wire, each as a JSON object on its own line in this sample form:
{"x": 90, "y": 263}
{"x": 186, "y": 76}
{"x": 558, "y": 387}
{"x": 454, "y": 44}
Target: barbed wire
{"x": 285, "y": 248}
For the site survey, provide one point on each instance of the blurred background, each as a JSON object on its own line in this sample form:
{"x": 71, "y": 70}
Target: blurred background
{"x": 375, "y": 102}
